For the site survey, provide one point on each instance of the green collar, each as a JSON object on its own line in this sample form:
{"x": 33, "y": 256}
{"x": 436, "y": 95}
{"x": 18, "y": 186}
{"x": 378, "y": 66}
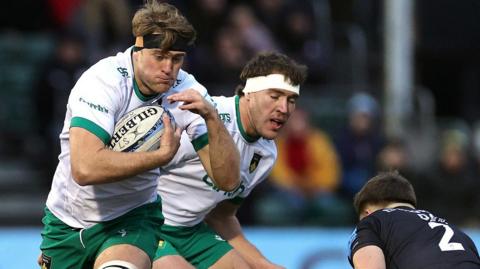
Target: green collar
{"x": 249, "y": 139}
{"x": 140, "y": 95}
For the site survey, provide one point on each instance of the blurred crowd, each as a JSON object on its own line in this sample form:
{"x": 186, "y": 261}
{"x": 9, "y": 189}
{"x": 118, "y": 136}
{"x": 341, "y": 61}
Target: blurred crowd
{"x": 335, "y": 140}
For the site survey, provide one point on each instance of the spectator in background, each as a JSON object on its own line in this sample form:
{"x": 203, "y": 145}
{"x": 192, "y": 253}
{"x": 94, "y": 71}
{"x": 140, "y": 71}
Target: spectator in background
{"x": 210, "y": 17}
{"x": 453, "y": 179}
{"x": 299, "y": 38}
{"x": 226, "y": 61}
{"x": 104, "y": 23}
{"x": 306, "y": 174}
{"x": 272, "y": 14}
{"x": 207, "y": 16}
{"x": 63, "y": 12}
{"x": 359, "y": 143}
{"x": 395, "y": 156}
{"x": 256, "y": 36}
{"x": 58, "y": 76}
{"x": 241, "y": 37}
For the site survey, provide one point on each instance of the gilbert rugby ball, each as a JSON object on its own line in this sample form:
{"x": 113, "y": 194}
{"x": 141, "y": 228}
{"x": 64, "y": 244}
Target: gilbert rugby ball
{"x": 140, "y": 129}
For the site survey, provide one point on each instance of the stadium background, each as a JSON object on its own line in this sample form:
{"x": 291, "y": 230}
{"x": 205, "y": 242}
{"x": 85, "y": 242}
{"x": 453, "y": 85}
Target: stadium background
{"x": 417, "y": 71}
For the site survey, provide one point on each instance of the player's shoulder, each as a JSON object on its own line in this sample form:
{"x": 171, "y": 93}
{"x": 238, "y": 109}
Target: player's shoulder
{"x": 225, "y": 107}
{"x": 224, "y": 103}
{"x": 111, "y": 71}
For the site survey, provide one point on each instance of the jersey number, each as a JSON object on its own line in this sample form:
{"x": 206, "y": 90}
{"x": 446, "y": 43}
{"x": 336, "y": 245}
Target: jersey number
{"x": 445, "y": 244}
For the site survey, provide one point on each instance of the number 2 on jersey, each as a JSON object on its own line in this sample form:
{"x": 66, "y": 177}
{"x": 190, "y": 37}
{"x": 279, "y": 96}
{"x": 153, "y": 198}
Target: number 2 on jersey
{"x": 445, "y": 244}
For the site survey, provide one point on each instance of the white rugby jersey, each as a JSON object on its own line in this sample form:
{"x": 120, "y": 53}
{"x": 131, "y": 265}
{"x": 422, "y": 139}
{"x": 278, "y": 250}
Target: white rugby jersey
{"x": 188, "y": 194}
{"x": 102, "y": 95}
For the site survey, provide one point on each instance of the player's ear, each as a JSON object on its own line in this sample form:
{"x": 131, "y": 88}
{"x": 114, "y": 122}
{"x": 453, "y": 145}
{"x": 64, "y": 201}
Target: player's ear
{"x": 362, "y": 214}
{"x": 367, "y": 210}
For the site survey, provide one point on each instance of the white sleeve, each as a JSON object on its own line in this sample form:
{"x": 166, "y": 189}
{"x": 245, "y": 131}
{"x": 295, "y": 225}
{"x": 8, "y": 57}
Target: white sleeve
{"x": 93, "y": 105}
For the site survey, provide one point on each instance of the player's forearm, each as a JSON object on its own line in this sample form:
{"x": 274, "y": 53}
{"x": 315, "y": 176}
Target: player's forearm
{"x": 224, "y": 156}
{"x": 230, "y": 229}
{"x": 249, "y": 252}
{"x": 106, "y": 166}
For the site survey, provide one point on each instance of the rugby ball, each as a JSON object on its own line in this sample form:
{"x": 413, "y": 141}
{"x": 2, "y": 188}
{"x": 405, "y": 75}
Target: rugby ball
{"x": 140, "y": 129}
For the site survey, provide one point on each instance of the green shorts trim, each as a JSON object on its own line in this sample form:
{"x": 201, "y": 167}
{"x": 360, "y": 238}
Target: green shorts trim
{"x": 199, "y": 244}
{"x": 68, "y": 247}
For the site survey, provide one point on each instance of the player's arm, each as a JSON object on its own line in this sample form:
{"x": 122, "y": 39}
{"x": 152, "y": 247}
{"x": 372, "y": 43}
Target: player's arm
{"x": 223, "y": 220}
{"x": 93, "y": 163}
{"x": 369, "y": 257}
{"x": 220, "y": 157}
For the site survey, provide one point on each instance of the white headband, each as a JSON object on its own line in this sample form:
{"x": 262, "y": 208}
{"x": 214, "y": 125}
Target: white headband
{"x": 272, "y": 81}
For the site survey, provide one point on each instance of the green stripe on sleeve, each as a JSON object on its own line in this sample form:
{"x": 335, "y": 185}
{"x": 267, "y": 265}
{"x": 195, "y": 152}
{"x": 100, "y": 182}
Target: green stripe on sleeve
{"x": 91, "y": 127}
{"x": 200, "y": 142}
{"x": 237, "y": 200}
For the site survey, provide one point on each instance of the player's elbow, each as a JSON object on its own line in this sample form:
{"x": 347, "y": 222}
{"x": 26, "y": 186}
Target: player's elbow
{"x": 230, "y": 183}
{"x": 82, "y": 175}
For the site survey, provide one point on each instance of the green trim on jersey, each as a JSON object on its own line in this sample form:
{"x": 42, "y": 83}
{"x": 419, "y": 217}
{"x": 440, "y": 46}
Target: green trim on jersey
{"x": 139, "y": 94}
{"x": 200, "y": 142}
{"x": 237, "y": 200}
{"x": 91, "y": 127}
{"x": 249, "y": 139}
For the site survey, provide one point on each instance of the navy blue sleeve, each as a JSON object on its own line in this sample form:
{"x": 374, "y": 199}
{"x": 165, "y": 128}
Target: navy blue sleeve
{"x": 366, "y": 233}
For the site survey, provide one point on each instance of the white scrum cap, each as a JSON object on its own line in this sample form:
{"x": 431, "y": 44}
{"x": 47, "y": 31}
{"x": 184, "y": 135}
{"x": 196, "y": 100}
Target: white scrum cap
{"x": 272, "y": 81}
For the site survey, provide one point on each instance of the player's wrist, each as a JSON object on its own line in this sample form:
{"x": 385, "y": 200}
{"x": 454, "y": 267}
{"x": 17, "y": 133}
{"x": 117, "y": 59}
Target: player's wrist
{"x": 211, "y": 115}
{"x": 165, "y": 154}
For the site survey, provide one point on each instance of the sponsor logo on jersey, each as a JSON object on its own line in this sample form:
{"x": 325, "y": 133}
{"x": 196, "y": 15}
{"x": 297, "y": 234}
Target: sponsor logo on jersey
{"x": 254, "y": 162}
{"x": 46, "y": 261}
{"x": 161, "y": 243}
{"x": 122, "y": 232}
{"x": 94, "y": 106}
{"x": 177, "y": 82}
{"x": 219, "y": 238}
{"x": 235, "y": 192}
{"x": 225, "y": 117}
{"x": 123, "y": 71}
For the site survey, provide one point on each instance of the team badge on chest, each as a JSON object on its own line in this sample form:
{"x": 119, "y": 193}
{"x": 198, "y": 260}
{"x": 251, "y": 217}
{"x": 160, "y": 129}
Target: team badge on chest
{"x": 254, "y": 162}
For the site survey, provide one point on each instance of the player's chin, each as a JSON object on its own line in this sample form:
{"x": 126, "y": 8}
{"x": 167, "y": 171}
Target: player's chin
{"x": 270, "y": 133}
{"x": 162, "y": 87}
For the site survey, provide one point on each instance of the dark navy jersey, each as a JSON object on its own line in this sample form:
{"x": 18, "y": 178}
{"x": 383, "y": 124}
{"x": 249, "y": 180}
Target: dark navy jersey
{"x": 415, "y": 239}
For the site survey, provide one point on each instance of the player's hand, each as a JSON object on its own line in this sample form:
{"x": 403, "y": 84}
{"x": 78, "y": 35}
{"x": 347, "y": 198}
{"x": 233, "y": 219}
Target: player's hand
{"x": 194, "y": 102}
{"x": 170, "y": 140}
